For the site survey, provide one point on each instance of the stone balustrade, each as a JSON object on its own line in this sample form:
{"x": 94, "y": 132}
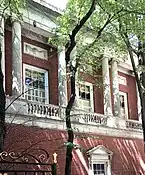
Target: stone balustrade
{"x": 133, "y": 124}
{"x": 23, "y": 107}
{"x": 88, "y": 118}
{"x": 43, "y": 110}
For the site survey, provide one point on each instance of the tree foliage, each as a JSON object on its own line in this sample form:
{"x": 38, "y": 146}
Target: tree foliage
{"x": 105, "y": 19}
{"x": 113, "y": 30}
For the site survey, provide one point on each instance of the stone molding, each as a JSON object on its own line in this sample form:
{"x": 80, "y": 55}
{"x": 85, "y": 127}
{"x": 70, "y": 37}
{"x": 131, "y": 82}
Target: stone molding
{"x": 35, "y": 51}
{"x": 52, "y": 117}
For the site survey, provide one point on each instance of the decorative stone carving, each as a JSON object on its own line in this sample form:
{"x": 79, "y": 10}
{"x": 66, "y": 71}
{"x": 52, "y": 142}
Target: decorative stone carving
{"x": 35, "y": 51}
{"x": 122, "y": 80}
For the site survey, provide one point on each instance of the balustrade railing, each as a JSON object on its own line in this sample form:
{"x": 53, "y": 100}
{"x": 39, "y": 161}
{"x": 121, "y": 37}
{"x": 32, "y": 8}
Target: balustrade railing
{"x": 58, "y": 112}
{"x": 89, "y": 118}
{"x": 132, "y": 124}
{"x": 44, "y": 110}
{"x": 77, "y": 116}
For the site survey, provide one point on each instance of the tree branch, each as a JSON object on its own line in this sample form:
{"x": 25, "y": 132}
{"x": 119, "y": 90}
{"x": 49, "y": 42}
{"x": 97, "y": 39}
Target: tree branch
{"x": 70, "y": 45}
{"x": 130, "y": 51}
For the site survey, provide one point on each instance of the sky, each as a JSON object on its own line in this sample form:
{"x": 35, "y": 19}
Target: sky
{"x": 58, "y": 3}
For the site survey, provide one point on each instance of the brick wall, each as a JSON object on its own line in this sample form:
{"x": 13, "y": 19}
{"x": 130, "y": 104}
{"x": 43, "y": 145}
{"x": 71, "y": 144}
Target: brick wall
{"x": 128, "y": 154}
{"x": 130, "y": 89}
{"x": 97, "y": 91}
{"x": 51, "y": 65}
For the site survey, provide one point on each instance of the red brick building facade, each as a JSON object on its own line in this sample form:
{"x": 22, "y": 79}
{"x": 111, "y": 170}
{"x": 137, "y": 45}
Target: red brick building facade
{"x": 108, "y": 139}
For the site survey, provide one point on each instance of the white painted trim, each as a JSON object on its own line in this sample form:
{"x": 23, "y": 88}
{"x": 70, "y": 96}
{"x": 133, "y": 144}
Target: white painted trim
{"x": 58, "y": 124}
{"x": 46, "y": 79}
{"x": 91, "y": 92}
{"x": 100, "y": 162}
{"x": 101, "y": 147}
{"x": 126, "y": 102}
{"x": 101, "y": 155}
{"x": 123, "y": 68}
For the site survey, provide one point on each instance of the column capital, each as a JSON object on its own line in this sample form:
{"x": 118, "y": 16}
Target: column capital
{"x": 105, "y": 57}
{"x": 13, "y": 20}
{"x": 115, "y": 60}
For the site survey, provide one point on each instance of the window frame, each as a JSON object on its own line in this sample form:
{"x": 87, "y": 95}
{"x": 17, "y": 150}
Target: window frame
{"x": 85, "y": 83}
{"x": 100, "y": 155}
{"x": 126, "y": 103}
{"x": 99, "y": 162}
{"x": 34, "y": 68}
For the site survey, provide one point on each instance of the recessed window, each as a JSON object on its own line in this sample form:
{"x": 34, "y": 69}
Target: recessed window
{"x": 100, "y": 160}
{"x": 35, "y": 84}
{"x": 123, "y": 105}
{"x": 86, "y": 96}
{"x": 99, "y": 168}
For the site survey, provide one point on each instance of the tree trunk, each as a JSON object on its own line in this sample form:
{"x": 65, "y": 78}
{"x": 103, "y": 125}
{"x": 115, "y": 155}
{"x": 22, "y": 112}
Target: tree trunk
{"x": 142, "y": 82}
{"x": 139, "y": 80}
{"x": 2, "y": 106}
{"x": 73, "y": 69}
{"x": 68, "y": 123}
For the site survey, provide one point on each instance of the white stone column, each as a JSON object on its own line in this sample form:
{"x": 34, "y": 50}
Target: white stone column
{"x": 76, "y": 102}
{"x": 106, "y": 83}
{"x": 16, "y": 59}
{"x": 115, "y": 87}
{"x": 73, "y": 59}
{"x": 138, "y": 105}
{"x": 2, "y": 42}
{"x": 62, "y": 79}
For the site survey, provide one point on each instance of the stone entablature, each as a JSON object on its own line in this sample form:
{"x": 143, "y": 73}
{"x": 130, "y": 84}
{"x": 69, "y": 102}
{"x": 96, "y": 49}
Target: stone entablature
{"x": 51, "y": 116}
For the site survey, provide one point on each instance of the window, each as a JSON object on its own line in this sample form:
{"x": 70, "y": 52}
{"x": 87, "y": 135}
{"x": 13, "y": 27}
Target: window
{"x": 99, "y": 168}
{"x": 86, "y": 96}
{"x": 100, "y": 161}
{"x": 123, "y": 105}
{"x": 35, "y": 84}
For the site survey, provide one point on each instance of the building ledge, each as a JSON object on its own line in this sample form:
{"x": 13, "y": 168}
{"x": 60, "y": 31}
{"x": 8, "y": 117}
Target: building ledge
{"x": 51, "y": 116}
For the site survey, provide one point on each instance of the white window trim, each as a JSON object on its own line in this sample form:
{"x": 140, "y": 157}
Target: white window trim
{"x": 126, "y": 102}
{"x": 96, "y": 158}
{"x": 91, "y": 92}
{"x": 46, "y": 79}
{"x": 99, "y": 162}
